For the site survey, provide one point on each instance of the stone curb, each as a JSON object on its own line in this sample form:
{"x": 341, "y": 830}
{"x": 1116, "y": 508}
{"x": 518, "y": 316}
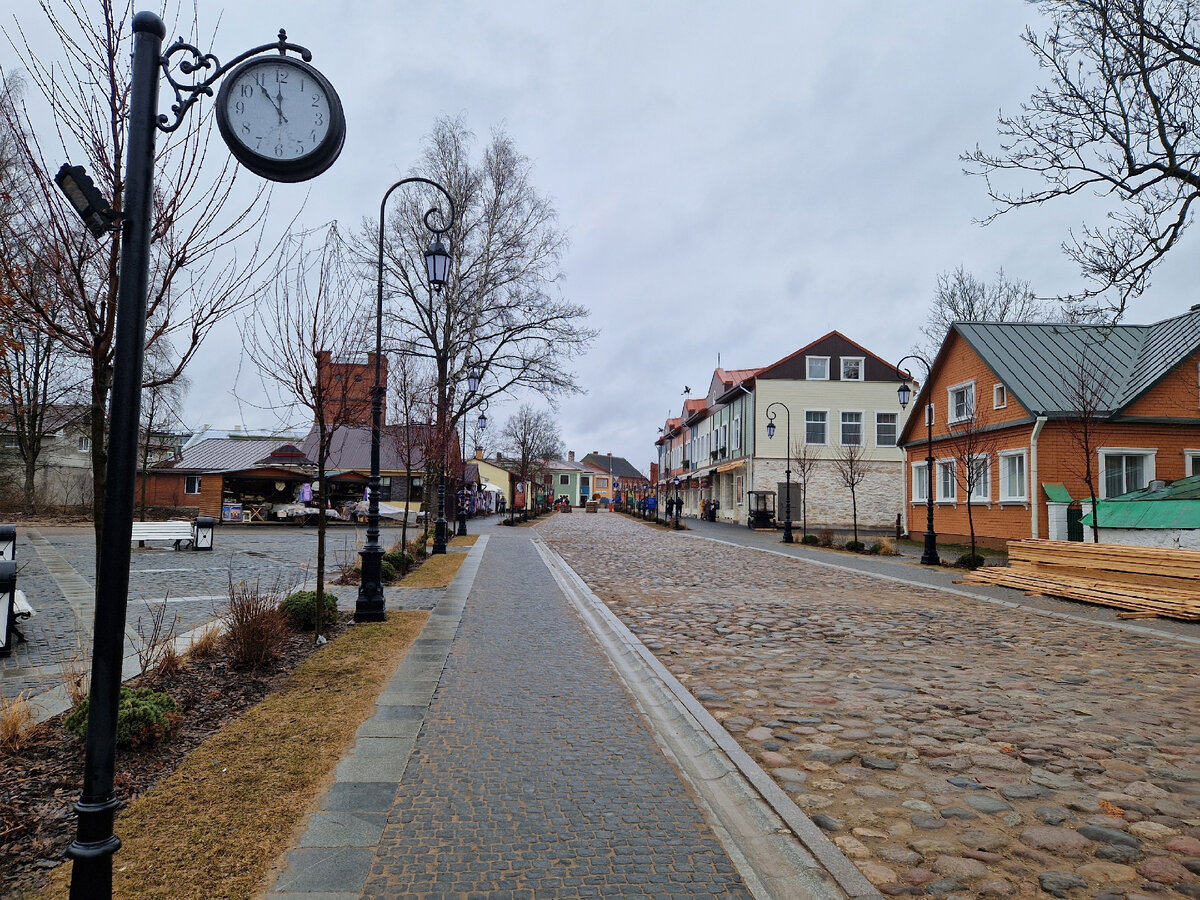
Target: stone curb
{"x": 610, "y": 630}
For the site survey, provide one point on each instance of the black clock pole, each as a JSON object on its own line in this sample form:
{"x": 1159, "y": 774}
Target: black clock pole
{"x": 95, "y": 843}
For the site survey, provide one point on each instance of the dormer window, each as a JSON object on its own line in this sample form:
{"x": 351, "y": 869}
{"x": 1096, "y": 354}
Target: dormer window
{"x": 818, "y": 368}
{"x": 852, "y": 368}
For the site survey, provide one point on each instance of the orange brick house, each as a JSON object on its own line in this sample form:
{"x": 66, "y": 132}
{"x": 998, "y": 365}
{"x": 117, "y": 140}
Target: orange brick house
{"x": 1020, "y": 410}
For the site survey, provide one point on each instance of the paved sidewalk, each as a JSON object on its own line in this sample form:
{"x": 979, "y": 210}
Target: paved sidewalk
{"x": 506, "y": 759}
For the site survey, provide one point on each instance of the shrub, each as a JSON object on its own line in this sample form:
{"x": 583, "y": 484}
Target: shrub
{"x": 207, "y": 643}
{"x": 387, "y": 572}
{"x": 300, "y": 609}
{"x": 825, "y": 538}
{"x": 886, "y": 548}
{"x": 876, "y": 548}
{"x": 417, "y": 548}
{"x": 144, "y": 717}
{"x": 16, "y": 719}
{"x": 401, "y": 560}
{"x": 855, "y": 546}
{"x": 257, "y": 629}
{"x": 969, "y": 561}
{"x": 810, "y": 539}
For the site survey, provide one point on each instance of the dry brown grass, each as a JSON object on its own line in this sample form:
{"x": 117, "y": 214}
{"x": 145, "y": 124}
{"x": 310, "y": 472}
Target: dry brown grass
{"x": 436, "y": 571}
{"x": 214, "y": 828}
{"x": 16, "y": 718}
{"x": 207, "y": 644}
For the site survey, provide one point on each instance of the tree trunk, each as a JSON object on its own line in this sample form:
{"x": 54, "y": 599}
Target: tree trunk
{"x": 30, "y": 480}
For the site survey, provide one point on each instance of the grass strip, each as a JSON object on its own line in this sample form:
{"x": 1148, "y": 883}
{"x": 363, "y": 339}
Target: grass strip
{"x": 213, "y": 829}
{"x": 436, "y": 571}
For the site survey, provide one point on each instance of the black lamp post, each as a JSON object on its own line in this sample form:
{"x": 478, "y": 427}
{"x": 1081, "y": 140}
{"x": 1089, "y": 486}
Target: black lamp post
{"x": 95, "y": 841}
{"x": 787, "y": 499}
{"x": 676, "y": 503}
{"x": 474, "y": 376}
{"x": 369, "y": 605}
{"x": 930, "y": 556}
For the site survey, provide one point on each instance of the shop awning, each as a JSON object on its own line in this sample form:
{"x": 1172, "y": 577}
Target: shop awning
{"x": 730, "y": 466}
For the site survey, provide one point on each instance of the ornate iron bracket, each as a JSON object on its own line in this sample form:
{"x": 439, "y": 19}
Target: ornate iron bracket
{"x": 187, "y": 93}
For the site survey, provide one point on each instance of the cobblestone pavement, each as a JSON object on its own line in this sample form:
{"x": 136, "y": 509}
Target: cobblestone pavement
{"x": 533, "y": 776}
{"x": 950, "y": 747}
{"x": 56, "y": 570}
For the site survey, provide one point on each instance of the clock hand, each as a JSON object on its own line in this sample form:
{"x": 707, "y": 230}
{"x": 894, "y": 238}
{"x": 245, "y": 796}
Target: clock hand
{"x": 279, "y": 104}
{"x": 271, "y": 100}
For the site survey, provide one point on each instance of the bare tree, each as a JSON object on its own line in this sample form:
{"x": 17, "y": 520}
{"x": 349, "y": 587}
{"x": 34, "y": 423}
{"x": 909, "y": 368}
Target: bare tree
{"x": 1118, "y": 119}
{"x": 196, "y": 277}
{"x": 412, "y": 395}
{"x": 962, "y": 297}
{"x": 804, "y": 466}
{"x": 971, "y": 444}
{"x": 314, "y": 315}
{"x": 531, "y": 440}
{"x": 162, "y": 403}
{"x": 502, "y": 302}
{"x": 853, "y": 467}
{"x": 1085, "y": 388}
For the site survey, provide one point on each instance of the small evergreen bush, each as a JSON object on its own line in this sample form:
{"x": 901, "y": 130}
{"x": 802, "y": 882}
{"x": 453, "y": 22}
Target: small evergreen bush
{"x": 387, "y": 571}
{"x": 876, "y": 548}
{"x": 967, "y": 561}
{"x": 855, "y": 546}
{"x": 401, "y": 560}
{"x": 300, "y": 609}
{"x": 144, "y": 717}
{"x": 811, "y": 539}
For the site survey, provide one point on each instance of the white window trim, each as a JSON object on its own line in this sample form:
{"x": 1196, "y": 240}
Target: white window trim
{"x": 896, "y": 423}
{"x": 938, "y": 497}
{"x": 199, "y": 485}
{"x": 814, "y": 443}
{"x": 808, "y": 372}
{"x": 999, "y": 396}
{"x": 862, "y": 367}
{"x": 916, "y": 467}
{"x": 1007, "y": 498}
{"x": 1188, "y": 456}
{"x": 862, "y": 416}
{"x": 737, "y": 432}
{"x": 974, "y": 498}
{"x": 1151, "y": 467}
{"x": 951, "y": 416}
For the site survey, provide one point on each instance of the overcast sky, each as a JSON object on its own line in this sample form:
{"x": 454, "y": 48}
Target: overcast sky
{"x": 736, "y": 179}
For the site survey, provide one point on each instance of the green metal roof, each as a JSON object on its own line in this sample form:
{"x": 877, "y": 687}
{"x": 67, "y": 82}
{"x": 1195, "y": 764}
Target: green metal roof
{"x": 1056, "y": 493}
{"x": 1176, "y": 505}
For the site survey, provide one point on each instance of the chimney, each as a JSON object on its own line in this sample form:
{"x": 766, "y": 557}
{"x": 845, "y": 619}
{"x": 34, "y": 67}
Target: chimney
{"x": 499, "y": 456}
{"x": 570, "y": 456}
{"x": 479, "y": 453}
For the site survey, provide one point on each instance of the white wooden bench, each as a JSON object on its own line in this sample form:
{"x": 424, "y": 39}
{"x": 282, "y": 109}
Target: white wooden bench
{"x": 21, "y": 610}
{"x": 179, "y": 532}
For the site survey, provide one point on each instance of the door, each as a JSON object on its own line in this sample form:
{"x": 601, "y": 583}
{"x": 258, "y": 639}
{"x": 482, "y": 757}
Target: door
{"x": 1075, "y": 523}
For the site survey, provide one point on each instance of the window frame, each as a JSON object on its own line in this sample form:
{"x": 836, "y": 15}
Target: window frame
{"x": 975, "y": 496}
{"x": 923, "y": 468}
{"x": 952, "y": 416}
{"x": 842, "y": 413}
{"x": 895, "y": 426}
{"x": 999, "y": 396}
{"x": 737, "y": 432}
{"x": 940, "y": 496}
{"x": 1150, "y": 468}
{"x": 808, "y": 375}
{"x": 825, "y": 425}
{"x": 83, "y": 443}
{"x": 564, "y": 480}
{"x": 1006, "y": 494}
{"x": 188, "y": 480}
{"x": 862, "y": 366}
{"x": 1189, "y": 457}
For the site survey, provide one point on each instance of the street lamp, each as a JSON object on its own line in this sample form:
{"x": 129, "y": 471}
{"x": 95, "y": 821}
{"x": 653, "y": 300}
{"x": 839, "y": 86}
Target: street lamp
{"x": 677, "y": 503}
{"x": 904, "y": 392}
{"x": 369, "y": 605}
{"x": 92, "y": 206}
{"x": 787, "y": 499}
{"x": 474, "y": 376}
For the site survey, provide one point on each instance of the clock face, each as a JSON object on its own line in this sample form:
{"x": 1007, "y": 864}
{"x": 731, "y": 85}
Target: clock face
{"x": 281, "y": 118}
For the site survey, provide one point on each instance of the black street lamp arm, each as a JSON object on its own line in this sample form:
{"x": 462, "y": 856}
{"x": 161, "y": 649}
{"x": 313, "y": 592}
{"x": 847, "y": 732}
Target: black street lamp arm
{"x": 930, "y": 555}
{"x": 787, "y": 462}
{"x": 187, "y": 93}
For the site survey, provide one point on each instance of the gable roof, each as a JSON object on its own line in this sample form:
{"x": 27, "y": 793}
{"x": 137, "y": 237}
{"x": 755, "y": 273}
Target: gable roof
{"x": 780, "y": 368}
{"x": 215, "y": 455}
{"x": 621, "y": 467}
{"x": 350, "y": 448}
{"x": 1034, "y": 359}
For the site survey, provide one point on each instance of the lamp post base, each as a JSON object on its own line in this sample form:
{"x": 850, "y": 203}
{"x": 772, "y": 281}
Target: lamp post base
{"x": 930, "y": 556}
{"x": 462, "y": 523}
{"x": 787, "y": 532}
{"x": 368, "y": 607}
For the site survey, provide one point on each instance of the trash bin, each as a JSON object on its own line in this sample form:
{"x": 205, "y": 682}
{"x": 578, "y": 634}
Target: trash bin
{"x": 8, "y": 542}
{"x": 8, "y": 594}
{"x": 202, "y": 533}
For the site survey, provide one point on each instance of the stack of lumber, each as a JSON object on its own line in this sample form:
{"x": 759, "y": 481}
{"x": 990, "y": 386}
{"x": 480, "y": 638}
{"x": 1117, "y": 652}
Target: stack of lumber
{"x": 1144, "y": 581}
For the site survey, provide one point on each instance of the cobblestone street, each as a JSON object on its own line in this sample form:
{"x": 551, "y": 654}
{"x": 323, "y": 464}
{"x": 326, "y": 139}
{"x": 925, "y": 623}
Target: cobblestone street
{"x": 949, "y": 747}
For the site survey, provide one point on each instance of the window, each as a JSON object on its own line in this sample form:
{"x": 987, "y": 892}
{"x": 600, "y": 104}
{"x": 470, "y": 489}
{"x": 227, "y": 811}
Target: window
{"x": 920, "y": 482}
{"x": 11, "y": 442}
{"x": 84, "y": 444}
{"x": 601, "y": 482}
{"x": 814, "y": 426}
{"x": 737, "y": 433}
{"x": 999, "y": 396}
{"x": 961, "y": 398}
{"x": 980, "y": 478}
{"x": 947, "y": 485}
{"x": 564, "y": 480}
{"x": 818, "y": 368}
{"x": 852, "y": 368}
{"x": 191, "y": 484}
{"x": 885, "y": 429}
{"x": 1191, "y": 460}
{"x": 1126, "y": 470}
{"x": 1012, "y": 476}
{"x": 852, "y": 429}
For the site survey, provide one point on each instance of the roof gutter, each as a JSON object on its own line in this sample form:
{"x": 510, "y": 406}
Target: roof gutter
{"x": 1033, "y": 475}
